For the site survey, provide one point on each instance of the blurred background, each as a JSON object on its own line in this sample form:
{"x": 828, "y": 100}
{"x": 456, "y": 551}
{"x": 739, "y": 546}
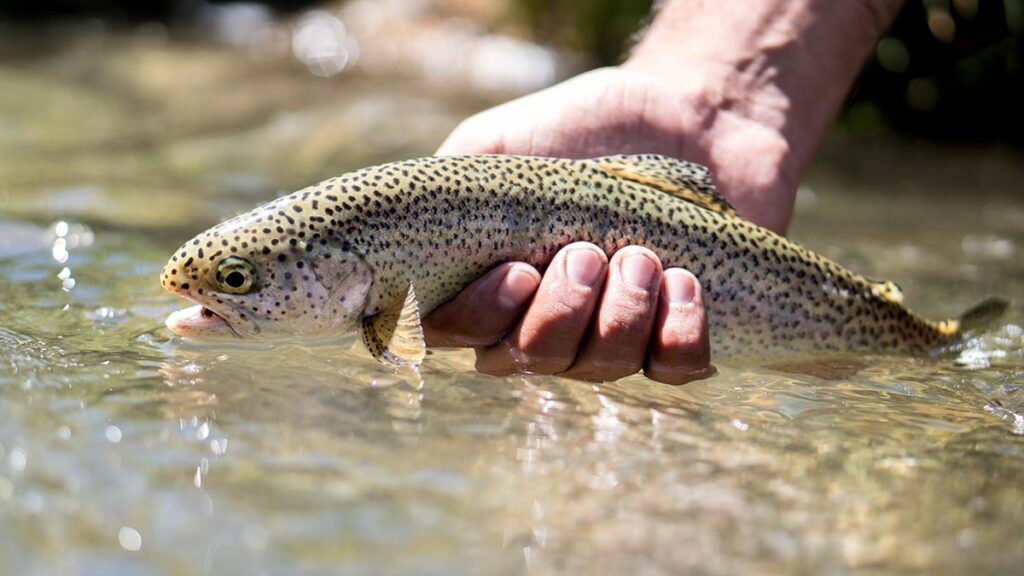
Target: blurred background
{"x": 254, "y": 98}
{"x": 948, "y": 69}
{"x": 127, "y": 127}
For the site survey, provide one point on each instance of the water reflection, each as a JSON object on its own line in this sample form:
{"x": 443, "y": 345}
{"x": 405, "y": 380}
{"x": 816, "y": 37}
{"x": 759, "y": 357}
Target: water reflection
{"x": 334, "y": 460}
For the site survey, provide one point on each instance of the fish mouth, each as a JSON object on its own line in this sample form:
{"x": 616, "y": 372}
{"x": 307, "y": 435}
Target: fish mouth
{"x": 199, "y": 322}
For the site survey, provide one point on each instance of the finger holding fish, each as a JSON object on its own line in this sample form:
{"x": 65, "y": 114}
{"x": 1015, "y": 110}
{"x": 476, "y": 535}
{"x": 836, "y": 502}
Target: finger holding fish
{"x": 621, "y": 324}
{"x": 616, "y": 344}
{"x": 547, "y": 338}
{"x": 485, "y": 311}
{"x": 680, "y": 350}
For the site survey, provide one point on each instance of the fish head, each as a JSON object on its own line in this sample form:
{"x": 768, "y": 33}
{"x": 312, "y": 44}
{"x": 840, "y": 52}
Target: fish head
{"x": 252, "y": 279}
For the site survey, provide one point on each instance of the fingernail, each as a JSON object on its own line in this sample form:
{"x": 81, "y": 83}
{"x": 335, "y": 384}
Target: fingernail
{"x": 681, "y": 286}
{"x": 638, "y": 270}
{"x": 516, "y": 288}
{"x": 585, "y": 266}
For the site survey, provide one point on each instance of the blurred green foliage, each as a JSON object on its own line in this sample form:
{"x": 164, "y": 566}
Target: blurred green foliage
{"x": 948, "y": 69}
{"x": 597, "y": 28}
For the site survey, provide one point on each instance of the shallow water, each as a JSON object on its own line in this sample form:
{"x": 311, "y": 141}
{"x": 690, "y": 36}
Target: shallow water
{"x": 125, "y": 450}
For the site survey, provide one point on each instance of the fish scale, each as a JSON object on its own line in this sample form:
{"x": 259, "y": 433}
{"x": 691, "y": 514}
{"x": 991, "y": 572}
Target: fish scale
{"x": 343, "y": 254}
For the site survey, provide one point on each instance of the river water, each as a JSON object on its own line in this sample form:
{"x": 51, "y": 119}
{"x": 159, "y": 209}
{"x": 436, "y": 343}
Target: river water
{"x": 124, "y": 450}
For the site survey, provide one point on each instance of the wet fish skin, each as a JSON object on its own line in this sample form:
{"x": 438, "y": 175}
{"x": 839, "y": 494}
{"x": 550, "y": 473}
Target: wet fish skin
{"x": 329, "y": 257}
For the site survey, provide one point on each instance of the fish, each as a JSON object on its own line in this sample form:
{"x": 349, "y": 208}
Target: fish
{"x": 376, "y": 250}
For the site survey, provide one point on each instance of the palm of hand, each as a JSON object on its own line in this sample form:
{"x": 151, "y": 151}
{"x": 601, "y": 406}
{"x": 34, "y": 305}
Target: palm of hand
{"x": 618, "y": 111}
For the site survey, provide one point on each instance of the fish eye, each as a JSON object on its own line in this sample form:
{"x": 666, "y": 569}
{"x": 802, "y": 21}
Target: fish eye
{"x": 235, "y": 275}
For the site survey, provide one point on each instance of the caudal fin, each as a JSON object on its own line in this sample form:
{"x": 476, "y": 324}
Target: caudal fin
{"x": 977, "y": 317}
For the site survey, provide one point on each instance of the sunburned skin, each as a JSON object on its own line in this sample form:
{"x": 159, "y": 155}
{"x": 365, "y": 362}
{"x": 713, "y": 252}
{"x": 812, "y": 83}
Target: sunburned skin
{"x": 377, "y": 249}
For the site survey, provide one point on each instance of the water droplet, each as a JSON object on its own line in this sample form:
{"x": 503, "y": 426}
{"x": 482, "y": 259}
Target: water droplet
{"x": 60, "y": 250}
{"x": 18, "y": 459}
{"x": 740, "y": 425}
{"x": 219, "y": 447}
{"x": 321, "y": 43}
{"x": 966, "y": 538}
{"x": 207, "y": 505}
{"x": 129, "y": 538}
{"x": 108, "y": 314}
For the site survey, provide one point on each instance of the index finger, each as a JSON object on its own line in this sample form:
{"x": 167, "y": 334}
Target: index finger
{"x": 484, "y": 311}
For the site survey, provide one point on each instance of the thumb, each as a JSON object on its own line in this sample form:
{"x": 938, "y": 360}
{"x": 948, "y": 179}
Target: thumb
{"x": 472, "y": 137}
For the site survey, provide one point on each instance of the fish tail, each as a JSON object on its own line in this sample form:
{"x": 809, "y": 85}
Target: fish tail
{"x": 977, "y": 317}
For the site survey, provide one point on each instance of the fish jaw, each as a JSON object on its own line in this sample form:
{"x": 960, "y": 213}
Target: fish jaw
{"x": 201, "y": 323}
{"x": 308, "y": 292}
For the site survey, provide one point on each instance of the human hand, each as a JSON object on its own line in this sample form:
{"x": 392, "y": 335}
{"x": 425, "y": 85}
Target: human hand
{"x": 626, "y": 110}
{"x": 603, "y": 112}
{"x": 747, "y": 91}
{"x": 599, "y": 113}
{"x": 587, "y": 318}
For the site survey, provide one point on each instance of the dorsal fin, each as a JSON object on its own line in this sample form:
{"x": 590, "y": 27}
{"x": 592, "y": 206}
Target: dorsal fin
{"x": 887, "y": 289}
{"x": 685, "y": 180}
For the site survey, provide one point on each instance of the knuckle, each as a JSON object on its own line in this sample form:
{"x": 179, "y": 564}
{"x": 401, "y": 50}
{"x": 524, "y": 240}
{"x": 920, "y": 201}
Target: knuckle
{"x": 508, "y": 358}
{"x": 682, "y": 339}
{"x": 683, "y": 358}
{"x": 676, "y": 376}
{"x": 622, "y": 322}
{"x": 541, "y": 364}
{"x": 562, "y": 308}
{"x": 609, "y": 371}
{"x": 600, "y": 373}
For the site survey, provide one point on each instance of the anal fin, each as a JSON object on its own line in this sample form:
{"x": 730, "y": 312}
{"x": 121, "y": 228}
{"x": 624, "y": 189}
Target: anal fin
{"x": 395, "y": 335}
{"x": 888, "y": 290}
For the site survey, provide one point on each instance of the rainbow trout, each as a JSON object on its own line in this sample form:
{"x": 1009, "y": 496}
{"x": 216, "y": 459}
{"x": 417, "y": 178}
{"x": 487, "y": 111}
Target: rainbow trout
{"x": 376, "y": 249}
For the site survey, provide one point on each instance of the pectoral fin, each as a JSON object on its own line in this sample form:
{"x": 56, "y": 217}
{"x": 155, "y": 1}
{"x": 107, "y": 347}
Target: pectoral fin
{"x": 684, "y": 180}
{"x": 394, "y": 335}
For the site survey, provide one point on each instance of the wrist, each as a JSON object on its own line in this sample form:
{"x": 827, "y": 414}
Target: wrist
{"x": 786, "y": 65}
{"x": 698, "y": 118}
